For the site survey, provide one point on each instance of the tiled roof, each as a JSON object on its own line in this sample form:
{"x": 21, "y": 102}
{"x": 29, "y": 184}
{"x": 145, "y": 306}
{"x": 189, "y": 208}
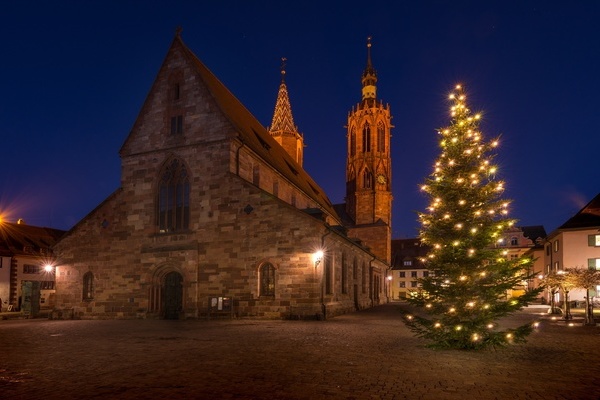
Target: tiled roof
{"x": 587, "y": 217}
{"x": 20, "y": 239}
{"x": 255, "y": 136}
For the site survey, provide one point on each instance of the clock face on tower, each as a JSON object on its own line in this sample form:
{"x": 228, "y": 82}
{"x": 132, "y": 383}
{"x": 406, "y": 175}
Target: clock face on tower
{"x": 381, "y": 179}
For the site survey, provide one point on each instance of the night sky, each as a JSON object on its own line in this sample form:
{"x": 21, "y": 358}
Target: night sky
{"x": 74, "y": 76}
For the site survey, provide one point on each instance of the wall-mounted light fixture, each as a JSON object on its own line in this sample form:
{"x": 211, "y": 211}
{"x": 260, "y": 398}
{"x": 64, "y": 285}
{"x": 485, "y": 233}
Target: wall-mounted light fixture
{"x": 318, "y": 257}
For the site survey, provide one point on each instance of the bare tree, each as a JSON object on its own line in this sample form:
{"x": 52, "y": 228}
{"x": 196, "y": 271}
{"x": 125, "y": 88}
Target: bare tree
{"x": 585, "y": 279}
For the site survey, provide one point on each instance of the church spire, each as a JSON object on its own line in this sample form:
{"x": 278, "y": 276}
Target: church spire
{"x": 282, "y": 126}
{"x": 369, "y": 79}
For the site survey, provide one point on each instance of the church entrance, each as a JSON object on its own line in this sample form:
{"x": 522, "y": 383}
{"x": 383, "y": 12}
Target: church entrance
{"x": 173, "y": 295}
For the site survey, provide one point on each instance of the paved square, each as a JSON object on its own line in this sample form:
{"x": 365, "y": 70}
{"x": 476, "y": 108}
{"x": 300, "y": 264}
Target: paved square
{"x": 364, "y": 355}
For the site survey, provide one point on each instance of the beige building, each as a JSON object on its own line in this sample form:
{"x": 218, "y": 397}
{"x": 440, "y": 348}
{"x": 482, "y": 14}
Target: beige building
{"x": 215, "y": 213}
{"x": 408, "y": 255}
{"x": 575, "y": 244}
{"x": 26, "y": 264}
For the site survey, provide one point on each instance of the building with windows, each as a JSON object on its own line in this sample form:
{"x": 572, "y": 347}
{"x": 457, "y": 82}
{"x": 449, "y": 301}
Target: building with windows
{"x": 216, "y": 213}
{"x": 575, "y": 244}
{"x": 26, "y": 263}
{"x": 408, "y": 257}
{"x": 407, "y": 267}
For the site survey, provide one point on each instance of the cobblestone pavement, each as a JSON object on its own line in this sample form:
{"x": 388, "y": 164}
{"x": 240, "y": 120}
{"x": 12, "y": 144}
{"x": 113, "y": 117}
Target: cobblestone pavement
{"x": 363, "y": 355}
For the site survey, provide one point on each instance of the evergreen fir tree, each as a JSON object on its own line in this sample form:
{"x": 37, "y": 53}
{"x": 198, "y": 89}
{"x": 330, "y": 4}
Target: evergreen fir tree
{"x": 470, "y": 276}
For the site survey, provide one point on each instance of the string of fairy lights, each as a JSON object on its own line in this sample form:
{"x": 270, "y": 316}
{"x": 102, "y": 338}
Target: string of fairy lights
{"x": 465, "y": 211}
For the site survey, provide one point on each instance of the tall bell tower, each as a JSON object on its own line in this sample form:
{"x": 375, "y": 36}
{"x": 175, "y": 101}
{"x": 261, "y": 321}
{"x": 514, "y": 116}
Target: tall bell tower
{"x": 369, "y": 166}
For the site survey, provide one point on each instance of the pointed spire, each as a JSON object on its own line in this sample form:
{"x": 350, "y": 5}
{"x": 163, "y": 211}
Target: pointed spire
{"x": 282, "y": 117}
{"x": 282, "y": 126}
{"x": 369, "y": 78}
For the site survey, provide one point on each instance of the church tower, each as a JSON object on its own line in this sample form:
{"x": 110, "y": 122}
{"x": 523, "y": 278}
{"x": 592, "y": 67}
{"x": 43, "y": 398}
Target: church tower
{"x": 369, "y": 167}
{"x": 282, "y": 127}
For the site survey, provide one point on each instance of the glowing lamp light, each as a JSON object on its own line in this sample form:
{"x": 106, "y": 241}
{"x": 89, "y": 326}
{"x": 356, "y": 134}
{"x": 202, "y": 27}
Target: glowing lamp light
{"x": 475, "y": 337}
{"x": 318, "y": 257}
{"x": 452, "y": 309}
{"x": 409, "y": 317}
{"x": 458, "y": 327}
{"x": 536, "y": 324}
{"x": 490, "y": 326}
{"x": 48, "y": 268}
{"x": 509, "y": 336}
{"x": 437, "y": 325}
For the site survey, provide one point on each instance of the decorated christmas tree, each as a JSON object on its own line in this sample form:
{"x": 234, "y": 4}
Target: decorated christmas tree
{"x": 472, "y": 282}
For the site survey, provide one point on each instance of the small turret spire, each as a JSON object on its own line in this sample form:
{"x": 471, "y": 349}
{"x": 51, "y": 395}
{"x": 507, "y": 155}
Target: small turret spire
{"x": 369, "y": 78}
{"x": 282, "y": 126}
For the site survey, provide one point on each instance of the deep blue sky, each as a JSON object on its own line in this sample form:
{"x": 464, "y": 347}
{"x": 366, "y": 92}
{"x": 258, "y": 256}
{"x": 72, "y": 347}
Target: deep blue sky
{"x": 74, "y": 76}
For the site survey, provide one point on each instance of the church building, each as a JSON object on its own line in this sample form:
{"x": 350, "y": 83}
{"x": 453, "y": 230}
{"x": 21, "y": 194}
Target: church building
{"x": 215, "y": 212}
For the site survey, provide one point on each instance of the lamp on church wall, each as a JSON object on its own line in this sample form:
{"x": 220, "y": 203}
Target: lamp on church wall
{"x": 318, "y": 257}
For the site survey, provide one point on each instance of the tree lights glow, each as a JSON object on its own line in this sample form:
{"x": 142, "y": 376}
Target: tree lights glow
{"x": 469, "y": 276}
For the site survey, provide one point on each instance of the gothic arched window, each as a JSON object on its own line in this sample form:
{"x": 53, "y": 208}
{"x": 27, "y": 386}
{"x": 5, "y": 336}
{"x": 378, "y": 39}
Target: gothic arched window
{"x": 366, "y": 138}
{"x": 88, "y": 286}
{"x": 174, "y": 198}
{"x": 367, "y": 179}
{"x": 267, "y": 279}
{"x": 380, "y": 137}
{"x": 353, "y": 142}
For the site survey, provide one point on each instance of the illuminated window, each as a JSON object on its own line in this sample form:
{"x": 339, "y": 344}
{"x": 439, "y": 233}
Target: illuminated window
{"x": 594, "y": 240}
{"x": 594, "y": 263}
{"x": 267, "y": 280}
{"x": 407, "y": 263}
{"x": 555, "y": 245}
{"x": 88, "y": 286}
{"x": 174, "y": 198}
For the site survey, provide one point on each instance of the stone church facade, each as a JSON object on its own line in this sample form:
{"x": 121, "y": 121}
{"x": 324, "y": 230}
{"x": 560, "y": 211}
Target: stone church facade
{"x": 214, "y": 210}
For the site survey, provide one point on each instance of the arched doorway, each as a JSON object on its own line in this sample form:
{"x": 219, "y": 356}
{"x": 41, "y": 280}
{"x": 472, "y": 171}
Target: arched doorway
{"x": 172, "y": 295}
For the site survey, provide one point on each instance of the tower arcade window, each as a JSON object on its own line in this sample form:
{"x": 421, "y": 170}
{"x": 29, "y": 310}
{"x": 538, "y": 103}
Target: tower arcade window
{"x": 88, "y": 286}
{"x": 267, "y": 279}
{"x": 174, "y": 198}
{"x": 366, "y": 138}
{"x": 380, "y": 137}
{"x": 353, "y": 142}
{"x": 367, "y": 179}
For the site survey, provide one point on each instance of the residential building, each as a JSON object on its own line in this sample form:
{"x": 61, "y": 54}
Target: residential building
{"x": 26, "y": 263}
{"x": 408, "y": 257}
{"x": 575, "y": 244}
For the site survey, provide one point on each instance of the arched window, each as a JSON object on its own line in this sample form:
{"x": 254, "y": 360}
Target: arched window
{"x": 344, "y": 274}
{"x": 514, "y": 241}
{"x": 380, "y": 137}
{"x": 367, "y": 179}
{"x": 267, "y": 279}
{"x": 353, "y": 142}
{"x": 174, "y": 198}
{"x": 366, "y": 138}
{"x": 88, "y": 286}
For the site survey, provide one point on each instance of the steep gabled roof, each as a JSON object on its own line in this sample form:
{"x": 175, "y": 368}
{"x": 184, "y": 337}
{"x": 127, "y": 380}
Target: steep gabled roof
{"x": 255, "y": 136}
{"x": 587, "y": 217}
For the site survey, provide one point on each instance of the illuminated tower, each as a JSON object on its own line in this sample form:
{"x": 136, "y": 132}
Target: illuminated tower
{"x": 368, "y": 166}
{"x": 282, "y": 127}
